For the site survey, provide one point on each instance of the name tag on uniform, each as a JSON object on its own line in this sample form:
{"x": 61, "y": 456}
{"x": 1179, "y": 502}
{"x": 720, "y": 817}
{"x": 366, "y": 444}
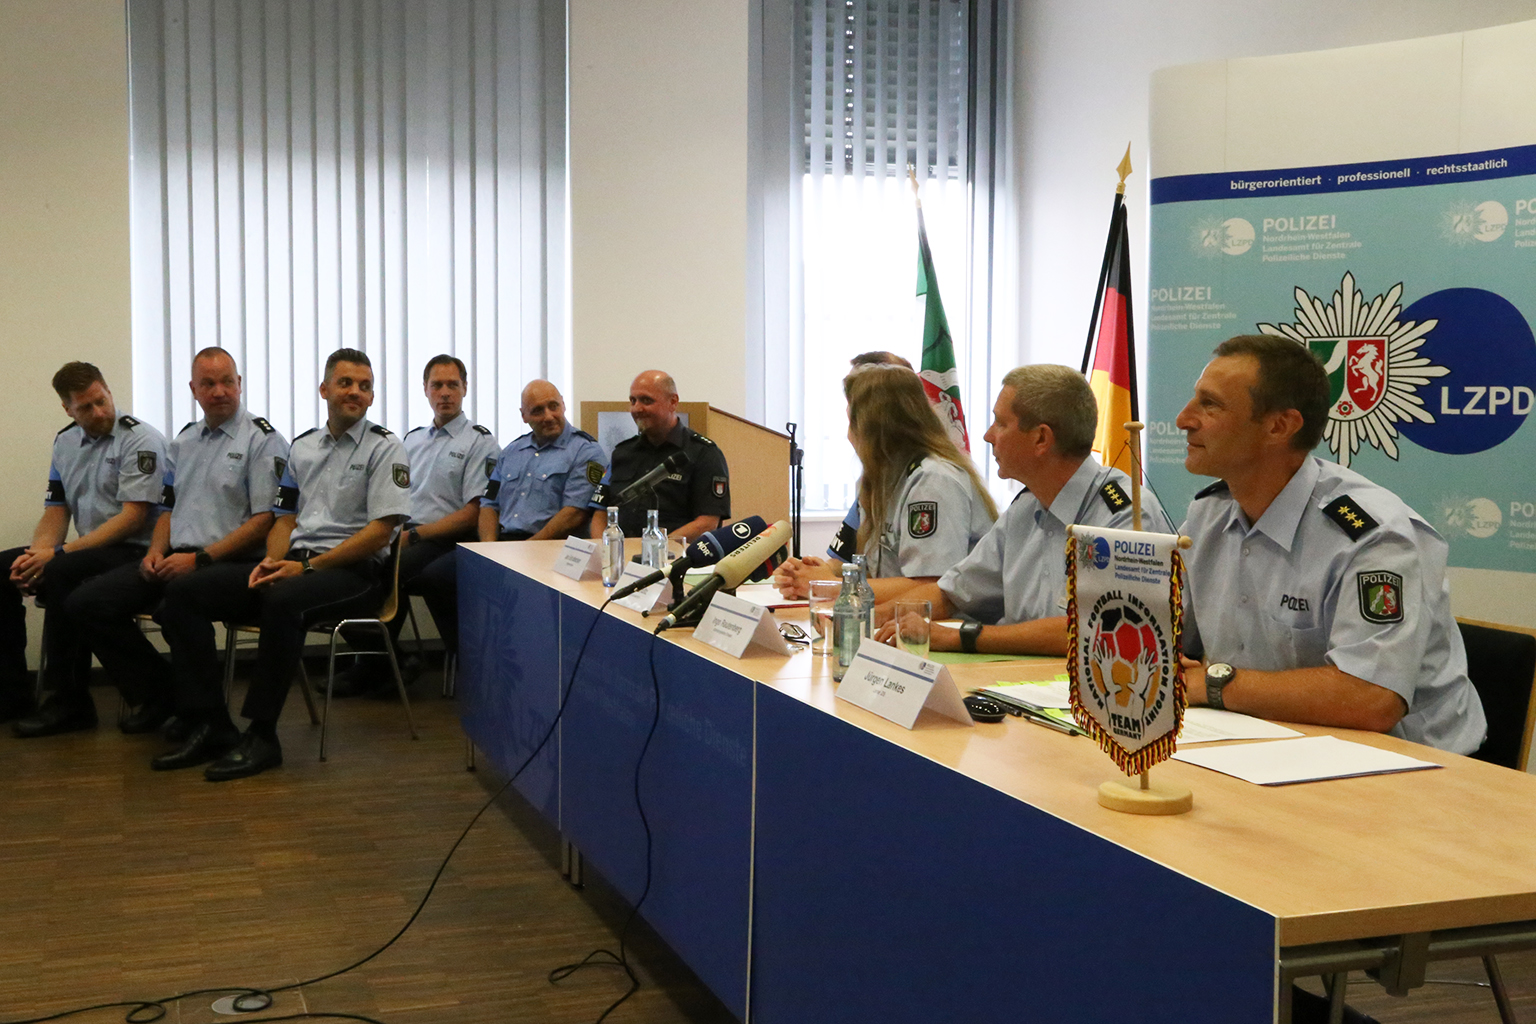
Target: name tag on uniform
{"x": 580, "y": 559}
{"x": 731, "y": 624}
{"x": 897, "y": 686}
{"x": 657, "y": 595}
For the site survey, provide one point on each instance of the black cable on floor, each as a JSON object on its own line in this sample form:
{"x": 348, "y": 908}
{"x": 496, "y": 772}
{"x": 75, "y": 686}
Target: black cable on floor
{"x": 254, "y": 1000}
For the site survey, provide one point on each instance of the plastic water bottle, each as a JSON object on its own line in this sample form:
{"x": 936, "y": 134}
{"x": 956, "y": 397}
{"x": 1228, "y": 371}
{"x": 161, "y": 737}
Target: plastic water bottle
{"x": 613, "y": 550}
{"x": 867, "y": 594}
{"x": 848, "y": 621}
{"x": 653, "y": 542}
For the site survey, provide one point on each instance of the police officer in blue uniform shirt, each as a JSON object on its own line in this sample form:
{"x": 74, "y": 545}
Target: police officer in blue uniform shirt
{"x": 106, "y": 477}
{"x": 450, "y": 463}
{"x": 1313, "y": 594}
{"x": 543, "y": 482}
{"x": 1013, "y": 584}
{"x": 691, "y": 501}
{"x": 220, "y": 482}
{"x": 346, "y": 487}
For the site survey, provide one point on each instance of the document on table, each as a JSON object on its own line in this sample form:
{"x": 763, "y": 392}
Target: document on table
{"x": 1309, "y": 759}
{"x": 767, "y": 595}
{"x": 1050, "y": 694}
{"x": 1208, "y": 725}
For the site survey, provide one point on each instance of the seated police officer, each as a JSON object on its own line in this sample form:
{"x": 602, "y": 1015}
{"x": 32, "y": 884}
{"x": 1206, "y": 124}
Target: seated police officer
{"x": 450, "y": 463}
{"x": 220, "y": 483}
{"x": 1313, "y": 594}
{"x": 106, "y": 477}
{"x": 345, "y": 489}
{"x": 1013, "y": 584}
{"x": 691, "y": 501}
{"x": 542, "y": 484}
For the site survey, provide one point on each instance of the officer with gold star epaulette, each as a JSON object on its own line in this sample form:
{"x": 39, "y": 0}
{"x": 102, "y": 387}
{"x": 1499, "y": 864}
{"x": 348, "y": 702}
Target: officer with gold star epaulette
{"x": 1314, "y": 595}
{"x": 542, "y": 484}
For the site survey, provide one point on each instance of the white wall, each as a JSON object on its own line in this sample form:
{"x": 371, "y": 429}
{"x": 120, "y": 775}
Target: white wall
{"x": 63, "y": 227}
{"x": 658, "y": 164}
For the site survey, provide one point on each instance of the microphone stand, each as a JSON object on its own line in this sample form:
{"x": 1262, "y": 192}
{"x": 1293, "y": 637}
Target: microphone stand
{"x": 796, "y": 488}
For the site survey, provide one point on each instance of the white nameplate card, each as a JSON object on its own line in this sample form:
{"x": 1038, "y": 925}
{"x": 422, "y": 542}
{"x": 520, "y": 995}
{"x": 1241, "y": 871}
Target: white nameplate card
{"x": 897, "y": 686}
{"x": 580, "y": 559}
{"x": 732, "y": 625}
{"x": 657, "y": 595}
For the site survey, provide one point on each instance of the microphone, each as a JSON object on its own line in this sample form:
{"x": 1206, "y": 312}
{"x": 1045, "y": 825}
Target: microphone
{"x": 673, "y": 463}
{"x": 707, "y": 550}
{"x": 731, "y": 571}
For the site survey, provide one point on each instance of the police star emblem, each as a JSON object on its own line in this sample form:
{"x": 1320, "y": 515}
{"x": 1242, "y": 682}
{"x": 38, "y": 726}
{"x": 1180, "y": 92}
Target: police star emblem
{"x": 1381, "y": 596}
{"x": 922, "y": 518}
{"x": 402, "y": 475}
{"x": 1373, "y": 363}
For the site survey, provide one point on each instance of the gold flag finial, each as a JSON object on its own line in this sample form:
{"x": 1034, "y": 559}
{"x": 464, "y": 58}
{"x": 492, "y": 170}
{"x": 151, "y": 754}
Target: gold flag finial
{"x": 1124, "y": 169}
{"x": 912, "y": 177}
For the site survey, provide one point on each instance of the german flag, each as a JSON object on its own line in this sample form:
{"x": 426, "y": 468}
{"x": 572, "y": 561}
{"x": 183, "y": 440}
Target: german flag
{"x": 1111, "y": 348}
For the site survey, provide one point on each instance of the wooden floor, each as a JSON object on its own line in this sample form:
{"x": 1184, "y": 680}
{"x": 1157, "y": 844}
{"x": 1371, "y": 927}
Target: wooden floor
{"x": 121, "y": 883}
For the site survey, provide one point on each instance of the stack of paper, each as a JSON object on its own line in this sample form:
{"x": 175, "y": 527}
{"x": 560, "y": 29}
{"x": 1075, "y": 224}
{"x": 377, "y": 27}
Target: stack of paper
{"x": 1305, "y": 760}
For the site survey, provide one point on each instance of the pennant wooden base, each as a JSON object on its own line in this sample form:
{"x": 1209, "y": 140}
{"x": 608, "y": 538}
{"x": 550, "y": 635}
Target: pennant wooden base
{"x": 1146, "y": 798}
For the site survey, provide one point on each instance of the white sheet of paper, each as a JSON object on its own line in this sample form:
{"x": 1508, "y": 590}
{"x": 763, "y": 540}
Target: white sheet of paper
{"x": 1208, "y": 725}
{"x": 580, "y": 560}
{"x": 1309, "y": 759}
{"x": 1050, "y": 694}
{"x": 767, "y": 595}
{"x": 897, "y": 686}
{"x": 657, "y": 595}
{"x": 732, "y": 625}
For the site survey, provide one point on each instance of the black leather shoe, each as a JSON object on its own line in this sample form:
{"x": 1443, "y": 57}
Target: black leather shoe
{"x": 360, "y": 679}
{"x": 206, "y": 743}
{"x": 56, "y": 716}
{"x": 253, "y": 755}
{"x": 148, "y": 718}
{"x": 177, "y": 728}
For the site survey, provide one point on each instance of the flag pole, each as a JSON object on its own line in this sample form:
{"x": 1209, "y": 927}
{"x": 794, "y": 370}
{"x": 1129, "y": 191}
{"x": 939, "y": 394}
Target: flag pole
{"x": 1116, "y": 225}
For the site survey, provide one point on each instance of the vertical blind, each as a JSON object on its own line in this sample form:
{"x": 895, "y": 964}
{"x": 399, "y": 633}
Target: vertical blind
{"x": 378, "y": 174}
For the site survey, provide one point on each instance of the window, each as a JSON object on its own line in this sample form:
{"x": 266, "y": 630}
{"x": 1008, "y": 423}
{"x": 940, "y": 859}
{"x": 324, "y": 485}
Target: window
{"x": 378, "y": 174}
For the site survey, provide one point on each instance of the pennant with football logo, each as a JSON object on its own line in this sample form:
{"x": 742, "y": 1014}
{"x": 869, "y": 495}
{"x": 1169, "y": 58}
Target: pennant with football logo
{"x": 1124, "y": 626}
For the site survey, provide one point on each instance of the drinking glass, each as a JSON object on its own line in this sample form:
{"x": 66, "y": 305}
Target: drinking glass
{"x": 914, "y": 622}
{"x": 823, "y": 593}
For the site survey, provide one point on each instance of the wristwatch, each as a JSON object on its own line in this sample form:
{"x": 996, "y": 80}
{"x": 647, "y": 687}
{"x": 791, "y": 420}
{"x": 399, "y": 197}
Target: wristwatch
{"x": 969, "y": 632}
{"x": 415, "y": 537}
{"x": 202, "y": 559}
{"x": 1217, "y": 677}
{"x": 305, "y": 563}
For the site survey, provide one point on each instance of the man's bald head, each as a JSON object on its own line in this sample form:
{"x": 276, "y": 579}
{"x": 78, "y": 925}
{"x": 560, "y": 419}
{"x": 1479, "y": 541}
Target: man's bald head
{"x": 653, "y": 404}
{"x": 543, "y": 410}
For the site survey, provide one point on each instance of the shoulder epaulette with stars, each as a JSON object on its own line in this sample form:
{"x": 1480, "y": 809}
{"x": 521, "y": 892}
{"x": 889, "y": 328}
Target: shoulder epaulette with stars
{"x": 1219, "y": 487}
{"x": 1113, "y": 496}
{"x": 306, "y": 433}
{"x": 482, "y": 430}
{"x": 413, "y": 430}
{"x": 583, "y": 433}
{"x": 71, "y": 423}
{"x": 912, "y": 466}
{"x": 1352, "y": 519}
{"x": 262, "y": 425}
{"x": 703, "y": 440}
{"x": 381, "y": 431}
{"x": 128, "y": 421}
{"x": 186, "y": 428}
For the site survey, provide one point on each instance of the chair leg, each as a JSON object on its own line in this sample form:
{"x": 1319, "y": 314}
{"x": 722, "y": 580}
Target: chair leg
{"x": 410, "y": 613}
{"x": 450, "y": 673}
{"x": 1500, "y": 994}
{"x": 330, "y": 685}
{"x": 394, "y": 666}
{"x": 230, "y": 640}
{"x": 307, "y": 689}
{"x": 469, "y": 754}
{"x": 1335, "y": 985}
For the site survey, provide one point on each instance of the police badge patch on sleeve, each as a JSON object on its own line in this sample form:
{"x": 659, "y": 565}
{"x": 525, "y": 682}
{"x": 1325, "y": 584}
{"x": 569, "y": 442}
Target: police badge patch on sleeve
{"x": 1381, "y": 596}
{"x": 402, "y": 475}
{"x": 720, "y": 485}
{"x": 147, "y": 462}
{"x": 279, "y": 466}
{"x": 490, "y": 466}
{"x": 922, "y": 518}
{"x": 594, "y": 473}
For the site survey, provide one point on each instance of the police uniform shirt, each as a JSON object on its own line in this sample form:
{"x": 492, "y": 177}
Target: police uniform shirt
{"x": 701, "y": 488}
{"x": 338, "y": 486}
{"x": 935, "y": 520}
{"x": 1337, "y": 571}
{"x": 1018, "y": 571}
{"x": 93, "y": 477}
{"x": 449, "y": 467}
{"x": 226, "y": 475}
{"x": 531, "y": 483}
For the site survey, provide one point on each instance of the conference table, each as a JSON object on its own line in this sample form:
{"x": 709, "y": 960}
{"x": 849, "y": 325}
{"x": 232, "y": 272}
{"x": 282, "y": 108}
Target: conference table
{"x": 811, "y": 861}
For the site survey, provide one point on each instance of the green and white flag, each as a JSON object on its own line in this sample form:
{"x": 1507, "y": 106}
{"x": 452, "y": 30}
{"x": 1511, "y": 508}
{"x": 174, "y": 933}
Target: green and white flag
{"x": 941, "y": 378}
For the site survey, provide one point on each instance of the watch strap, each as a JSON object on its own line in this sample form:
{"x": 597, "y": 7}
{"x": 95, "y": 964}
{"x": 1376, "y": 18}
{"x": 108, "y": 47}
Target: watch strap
{"x": 969, "y": 633}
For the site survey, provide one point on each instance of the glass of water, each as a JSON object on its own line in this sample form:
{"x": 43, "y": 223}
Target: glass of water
{"x": 823, "y": 593}
{"x": 914, "y": 623}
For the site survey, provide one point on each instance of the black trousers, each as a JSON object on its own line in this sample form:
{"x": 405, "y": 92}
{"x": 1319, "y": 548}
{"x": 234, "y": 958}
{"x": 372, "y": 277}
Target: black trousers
{"x": 102, "y": 611}
{"x": 283, "y": 610}
{"x": 68, "y": 672}
{"x": 428, "y": 568}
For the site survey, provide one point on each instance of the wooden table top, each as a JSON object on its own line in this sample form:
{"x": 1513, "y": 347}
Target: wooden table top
{"x": 1338, "y": 859}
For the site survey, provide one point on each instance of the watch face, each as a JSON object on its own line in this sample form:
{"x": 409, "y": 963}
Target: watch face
{"x": 1220, "y": 673}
